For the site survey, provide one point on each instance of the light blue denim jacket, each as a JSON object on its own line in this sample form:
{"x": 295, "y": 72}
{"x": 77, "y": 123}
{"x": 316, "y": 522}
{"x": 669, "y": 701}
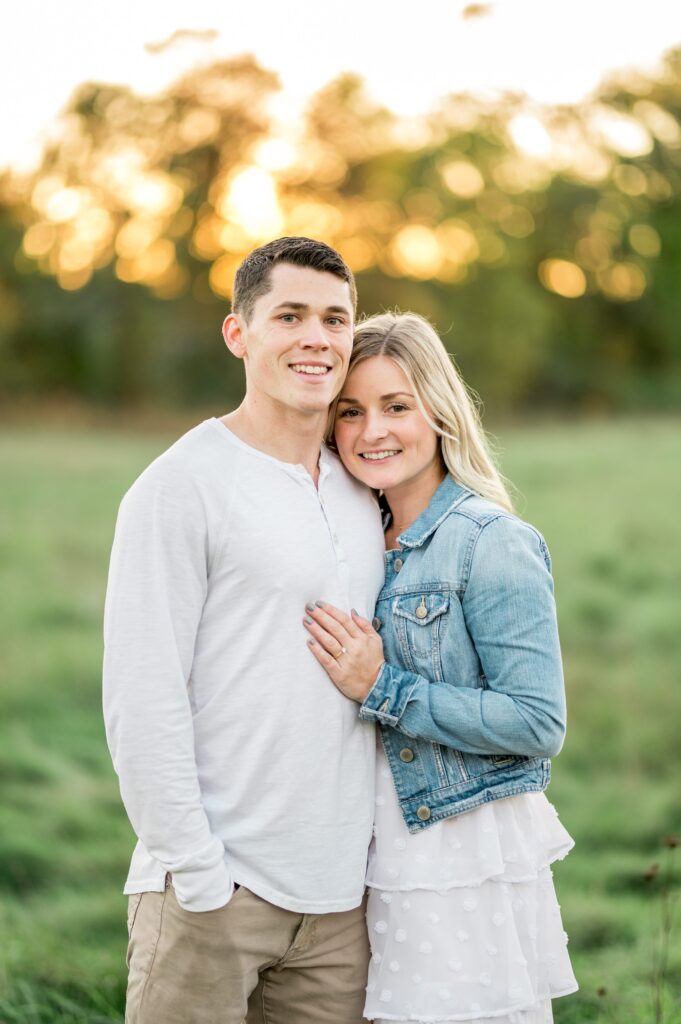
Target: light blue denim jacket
{"x": 471, "y": 699}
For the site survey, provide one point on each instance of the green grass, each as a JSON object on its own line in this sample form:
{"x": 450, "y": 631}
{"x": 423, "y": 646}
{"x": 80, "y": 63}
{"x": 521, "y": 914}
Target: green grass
{"x": 607, "y": 496}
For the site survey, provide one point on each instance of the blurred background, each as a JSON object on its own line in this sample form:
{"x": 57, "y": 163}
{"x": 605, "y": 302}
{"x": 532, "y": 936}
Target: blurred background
{"x": 511, "y": 170}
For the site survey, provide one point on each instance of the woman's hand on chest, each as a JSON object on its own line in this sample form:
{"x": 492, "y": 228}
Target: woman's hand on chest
{"x": 346, "y": 646}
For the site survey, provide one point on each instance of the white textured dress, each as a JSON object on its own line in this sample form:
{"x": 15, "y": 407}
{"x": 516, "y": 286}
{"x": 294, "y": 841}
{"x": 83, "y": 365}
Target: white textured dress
{"x": 463, "y": 918}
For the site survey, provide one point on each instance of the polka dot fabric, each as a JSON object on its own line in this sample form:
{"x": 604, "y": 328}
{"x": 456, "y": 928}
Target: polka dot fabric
{"x": 463, "y": 918}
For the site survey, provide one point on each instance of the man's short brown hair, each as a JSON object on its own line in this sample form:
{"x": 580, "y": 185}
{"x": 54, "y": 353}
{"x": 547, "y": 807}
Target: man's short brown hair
{"x": 253, "y": 276}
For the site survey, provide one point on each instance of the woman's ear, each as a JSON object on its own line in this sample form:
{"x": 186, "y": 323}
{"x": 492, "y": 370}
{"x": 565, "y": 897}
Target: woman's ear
{"x": 233, "y": 333}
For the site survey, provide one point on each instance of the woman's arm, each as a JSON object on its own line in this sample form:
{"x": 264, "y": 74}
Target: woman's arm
{"x": 509, "y": 611}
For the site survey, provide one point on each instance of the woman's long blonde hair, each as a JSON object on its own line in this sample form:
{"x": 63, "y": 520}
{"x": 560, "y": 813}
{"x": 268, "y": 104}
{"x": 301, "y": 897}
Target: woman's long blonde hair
{"x": 442, "y": 397}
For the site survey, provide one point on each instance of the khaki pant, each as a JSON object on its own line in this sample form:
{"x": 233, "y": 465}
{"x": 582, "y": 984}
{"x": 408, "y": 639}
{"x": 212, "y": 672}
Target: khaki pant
{"x": 248, "y": 961}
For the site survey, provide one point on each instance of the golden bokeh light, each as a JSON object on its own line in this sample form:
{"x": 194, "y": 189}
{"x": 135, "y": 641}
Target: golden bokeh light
{"x": 221, "y": 276}
{"x": 622, "y": 134}
{"x": 530, "y": 135}
{"x": 462, "y": 178}
{"x": 458, "y": 242}
{"x": 661, "y": 123}
{"x": 314, "y": 219}
{"x": 154, "y": 193}
{"x": 645, "y": 240}
{"x": 630, "y": 179}
{"x": 359, "y": 253}
{"x": 39, "y": 239}
{"x": 275, "y": 154}
{"x": 65, "y": 204}
{"x": 516, "y": 221}
{"x": 493, "y": 251}
{"x": 251, "y": 200}
{"x": 198, "y": 127}
{"x": 562, "y": 277}
{"x": 95, "y": 225}
{"x": 136, "y": 235}
{"x": 623, "y": 282}
{"x": 415, "y": 251}
{"x": 72, "y": 280}
{"x": 594, "y": 251}
{"x": 206, "y": 242}
{"x": 75, "y": 255}
{"x": 148, "y": 266}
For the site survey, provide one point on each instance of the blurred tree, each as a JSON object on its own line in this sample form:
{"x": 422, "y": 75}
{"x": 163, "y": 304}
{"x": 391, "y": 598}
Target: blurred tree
{"x": 545, "y": 243}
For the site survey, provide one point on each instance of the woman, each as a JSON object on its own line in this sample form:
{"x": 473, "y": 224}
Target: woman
{"x": 461, "y": 670}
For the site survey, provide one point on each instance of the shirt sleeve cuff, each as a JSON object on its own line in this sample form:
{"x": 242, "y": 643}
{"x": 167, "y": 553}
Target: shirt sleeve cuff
{"x": 387, "y": 699}
{"x": 203, "y": 888}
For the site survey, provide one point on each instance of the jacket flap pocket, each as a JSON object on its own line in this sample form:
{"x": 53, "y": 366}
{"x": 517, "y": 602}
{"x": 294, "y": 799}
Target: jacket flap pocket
{"x": 421, "y": 608}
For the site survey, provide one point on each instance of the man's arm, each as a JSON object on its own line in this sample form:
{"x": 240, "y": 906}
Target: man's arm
{"x": 156, "y": 591}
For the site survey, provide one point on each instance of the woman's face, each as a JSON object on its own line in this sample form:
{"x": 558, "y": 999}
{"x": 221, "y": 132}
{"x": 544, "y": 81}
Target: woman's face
{"x": 381, "y": 436}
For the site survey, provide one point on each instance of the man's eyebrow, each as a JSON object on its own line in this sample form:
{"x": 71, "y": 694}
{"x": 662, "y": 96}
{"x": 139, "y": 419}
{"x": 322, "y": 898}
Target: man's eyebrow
{"x": 301, "y": 306}
{"x": 383, "y": 398}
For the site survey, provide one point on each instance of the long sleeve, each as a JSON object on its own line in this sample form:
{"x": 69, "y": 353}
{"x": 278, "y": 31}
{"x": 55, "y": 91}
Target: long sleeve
{"x": 156, "y": 591}
{"x": 509, "y": 610}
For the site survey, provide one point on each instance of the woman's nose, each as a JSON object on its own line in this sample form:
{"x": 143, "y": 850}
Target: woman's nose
{"x": 374, "y": 428}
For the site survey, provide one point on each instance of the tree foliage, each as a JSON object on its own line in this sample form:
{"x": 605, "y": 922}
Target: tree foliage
{"x": 544, "y": 243}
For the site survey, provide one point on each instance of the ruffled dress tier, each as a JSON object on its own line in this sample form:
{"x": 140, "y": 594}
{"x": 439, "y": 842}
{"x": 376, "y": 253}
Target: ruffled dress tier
{"x": 463, "y": 917}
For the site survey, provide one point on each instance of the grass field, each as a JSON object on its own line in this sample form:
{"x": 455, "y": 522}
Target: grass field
{"x": 607, "y": 497}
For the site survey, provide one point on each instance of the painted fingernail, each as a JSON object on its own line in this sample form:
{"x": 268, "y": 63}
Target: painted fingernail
{"x": 311, "y": 642}
{"x": 309, "y": 607}
{"x": 354, "y": 611}
{"x": 320, "y": 604}
{"x": 308, "y": 620}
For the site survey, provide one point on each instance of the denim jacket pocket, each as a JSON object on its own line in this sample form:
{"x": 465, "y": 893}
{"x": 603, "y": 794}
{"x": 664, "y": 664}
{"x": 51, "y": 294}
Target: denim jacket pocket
{"x": 418, "y": 619}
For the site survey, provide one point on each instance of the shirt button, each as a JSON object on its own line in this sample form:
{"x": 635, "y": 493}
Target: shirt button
{"x": 376, "y": 622}
{"x": 406, "y": 754}
{"x": 397, "y": 564}
{"x": 423, "y": 813}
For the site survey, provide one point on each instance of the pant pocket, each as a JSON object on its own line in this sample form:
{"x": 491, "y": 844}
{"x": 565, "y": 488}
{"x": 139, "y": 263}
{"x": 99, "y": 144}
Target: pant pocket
{"x": 144, "y": 927}
{"x": 133, "y": 906}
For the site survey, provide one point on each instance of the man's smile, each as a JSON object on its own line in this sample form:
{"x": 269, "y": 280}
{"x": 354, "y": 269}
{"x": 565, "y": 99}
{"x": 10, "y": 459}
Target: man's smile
{"x": 310, "y": 369}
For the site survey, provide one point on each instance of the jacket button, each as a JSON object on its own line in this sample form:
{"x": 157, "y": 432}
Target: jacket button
{"x": 376, "y": 622}
{"x": 406, "y": 754}
{"x": 423, "y": 813}
{"x": 421, "y": 612}
{"x": 397, "y": 564}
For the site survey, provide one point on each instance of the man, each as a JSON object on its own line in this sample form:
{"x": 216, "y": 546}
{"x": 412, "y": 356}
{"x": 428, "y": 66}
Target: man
{"x": 246, "y": 776}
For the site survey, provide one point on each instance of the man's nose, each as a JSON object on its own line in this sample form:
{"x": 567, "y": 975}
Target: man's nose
{"x": 314, "y": 335}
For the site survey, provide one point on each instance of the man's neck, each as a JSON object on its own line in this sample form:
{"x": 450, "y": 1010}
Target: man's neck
{"x": 289, "y": 436}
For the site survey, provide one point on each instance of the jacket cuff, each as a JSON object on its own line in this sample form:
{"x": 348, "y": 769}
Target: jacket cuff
{"x": 201, "y": 889}
{"x": 387, "y": 699}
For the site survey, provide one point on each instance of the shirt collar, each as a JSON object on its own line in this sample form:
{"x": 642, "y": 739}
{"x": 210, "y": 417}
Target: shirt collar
{"x": 446, "y": 498}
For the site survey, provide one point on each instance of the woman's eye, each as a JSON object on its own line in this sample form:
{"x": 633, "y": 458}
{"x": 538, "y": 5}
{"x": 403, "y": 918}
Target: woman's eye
{"x": 348, "y": 414}
{"x": 398, "y": 407}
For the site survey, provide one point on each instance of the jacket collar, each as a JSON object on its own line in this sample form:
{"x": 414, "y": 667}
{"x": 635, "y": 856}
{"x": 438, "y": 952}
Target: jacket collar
{"x": 447, "y": 497}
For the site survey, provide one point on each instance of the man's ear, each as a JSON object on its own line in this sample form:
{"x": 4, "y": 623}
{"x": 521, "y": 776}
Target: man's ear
{"x": 232, "y": 332}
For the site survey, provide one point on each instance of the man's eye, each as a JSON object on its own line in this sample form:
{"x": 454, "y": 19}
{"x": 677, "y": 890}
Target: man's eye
{"x": 287, "y": 318}
{"x": 335, "y": 321}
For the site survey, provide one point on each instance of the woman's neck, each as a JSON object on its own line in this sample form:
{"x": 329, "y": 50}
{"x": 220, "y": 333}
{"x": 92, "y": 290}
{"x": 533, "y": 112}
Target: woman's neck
{"x": 408, "y": 501}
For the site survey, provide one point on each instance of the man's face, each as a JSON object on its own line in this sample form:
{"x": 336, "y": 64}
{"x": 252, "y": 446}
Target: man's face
{"x": 297, "y": 344}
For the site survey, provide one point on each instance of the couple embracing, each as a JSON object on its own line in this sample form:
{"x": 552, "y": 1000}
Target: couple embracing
{"x": 332, "y": 686}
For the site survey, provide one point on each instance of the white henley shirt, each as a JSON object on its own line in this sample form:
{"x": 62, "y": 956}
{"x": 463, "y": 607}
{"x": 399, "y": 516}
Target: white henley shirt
{"x": 238, "y": 759}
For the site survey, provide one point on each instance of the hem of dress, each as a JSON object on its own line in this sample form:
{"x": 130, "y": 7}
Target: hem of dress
{"x": 521, "y": 1008}
{"x": 444, "y": 885}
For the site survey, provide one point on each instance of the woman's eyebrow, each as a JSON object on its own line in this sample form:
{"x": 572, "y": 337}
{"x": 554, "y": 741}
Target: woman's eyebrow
{"x": 383, "y": 398}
